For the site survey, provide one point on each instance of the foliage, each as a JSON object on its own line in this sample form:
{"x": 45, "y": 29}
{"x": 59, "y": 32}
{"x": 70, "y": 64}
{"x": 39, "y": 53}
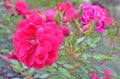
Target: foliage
{"x": 80, "y": 55}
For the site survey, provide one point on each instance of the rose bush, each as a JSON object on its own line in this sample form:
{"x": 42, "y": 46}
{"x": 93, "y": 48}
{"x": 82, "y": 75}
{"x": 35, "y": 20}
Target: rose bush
{"x": 62, "y": 42}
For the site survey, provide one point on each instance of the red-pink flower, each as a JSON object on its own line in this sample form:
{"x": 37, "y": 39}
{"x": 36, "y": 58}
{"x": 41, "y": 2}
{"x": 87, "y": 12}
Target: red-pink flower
{"x": 37, "y": 11}
{"x": 94, "y": 75}
{"x": 107, "y": 72}
{"x": 7, "y": 4}
{"x": 106, "y": 77}
{"x": 95, "y": 14}
{"x": 69, "y": 11}
{"x": 22, "y": 8}
{"x": 65, "y": 30}
{"x": 49, "y": 14}
{"x": 36, "y": 42}
{"x": 64, "y": 19}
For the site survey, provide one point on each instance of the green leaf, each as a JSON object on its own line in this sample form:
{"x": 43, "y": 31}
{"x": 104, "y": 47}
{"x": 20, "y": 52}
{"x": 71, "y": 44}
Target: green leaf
{"x": 68, "y": 66}
{"x": 45, "y": 75}
{"x": 80, "y": 40}
{"x": 16, "y": 68}
{"x": 92, "y": 42}
{"x": 14, "y": 62}
{"x": 93, "y": 45}
{"x": 98, "y": 68}
{"x": 96, "y": 38}
{"x": 85, "y": 56}
{"x": 72, "y": 77}
{"x": 50, "y": 68}
{"x": 61, "y": 61}
{"x": 64, "y": 72}
{"x": 100, "y": 57}
{"x": 84, "y": 48}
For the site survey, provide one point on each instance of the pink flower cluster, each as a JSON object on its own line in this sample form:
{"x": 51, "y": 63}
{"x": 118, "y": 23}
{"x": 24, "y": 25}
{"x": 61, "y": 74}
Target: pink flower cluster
{"x": 107, "y": 73}
{"x": 95, "y": 14}
{"x": 36, "y": 42}
{"x": 66, "y": 8}
{"x": 69, "y": 11}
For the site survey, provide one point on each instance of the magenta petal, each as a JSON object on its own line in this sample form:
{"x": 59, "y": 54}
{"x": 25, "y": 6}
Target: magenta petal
{"x": 25, "y": 61}
{"x": 31, "y": 59}
{"x": 49, "y": 30}
{"x": 51, "y": 57}
{"x": 40, "y": 34}
{"x": 22, "y": 53}
{"x": 48, "y": 37}
{"x": 39, "y": 66}
{"x": 47, "y": 46}
{"x": 38, "y": 50}
{"x": 42, "y": 56}
{"x": 50, "y": 61}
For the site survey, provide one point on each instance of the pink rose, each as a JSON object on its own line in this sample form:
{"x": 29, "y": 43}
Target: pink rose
{"x": 107, "y": 72}
{"x": 64, "y": 19}
{"x": 64, "y": 6}
{"x": 22, "y": 8}
{"x": 36, "y": 43}
{"x": 87, "y": 13}
{"x": 94, "y": 75}
{"x": 49, "y": 14}
{"x": 69, "y": 11}
{"x": 100, "y": 27}
{"x": 34, "y": 18}
{"x": 95, "y": 14}
{"x": 37, "y": 11}
{"x": 7, "y": 4}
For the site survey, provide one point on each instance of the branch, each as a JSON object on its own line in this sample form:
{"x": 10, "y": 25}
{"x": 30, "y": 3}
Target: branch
{"x": 5, "y": 59}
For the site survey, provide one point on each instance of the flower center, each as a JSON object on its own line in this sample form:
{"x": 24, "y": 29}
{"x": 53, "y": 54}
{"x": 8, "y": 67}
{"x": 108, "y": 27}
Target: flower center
{"x": 33, "y": 42}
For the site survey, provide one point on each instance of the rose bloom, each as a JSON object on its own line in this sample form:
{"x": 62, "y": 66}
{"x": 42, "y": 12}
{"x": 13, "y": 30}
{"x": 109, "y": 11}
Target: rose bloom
{"x": 107, "y": 72}
{"x": 69, "y": 11}
{"x": 7, "y": 4}
{"x": 95, "y": 14}
{"x": 22, "y": 8}
{"x": 94, "y": 76}
{"x": 37, "y": 11}
{"x": 36, "y": 42}
{"x": 49, "y": 14}
{"x": 64, "y": 19}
